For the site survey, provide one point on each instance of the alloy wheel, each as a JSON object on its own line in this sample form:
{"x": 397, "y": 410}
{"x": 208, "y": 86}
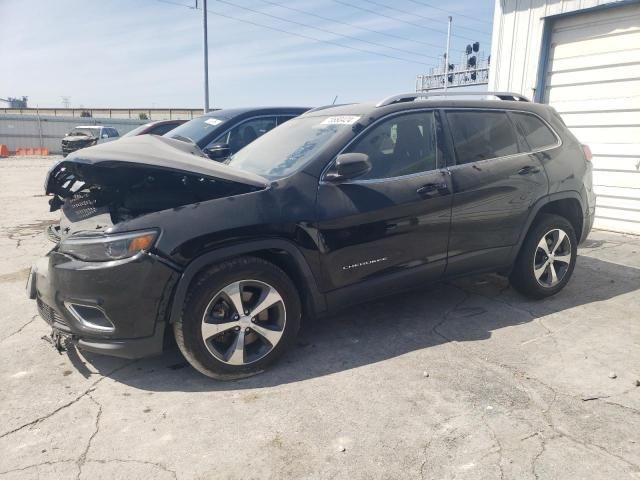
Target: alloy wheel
{"x": 552, "y": 258}
{"x": 243, "y": 322}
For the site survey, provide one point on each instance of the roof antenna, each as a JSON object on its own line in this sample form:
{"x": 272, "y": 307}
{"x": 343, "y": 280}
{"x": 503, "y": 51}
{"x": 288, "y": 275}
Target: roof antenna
{"x": 334, "y": 100}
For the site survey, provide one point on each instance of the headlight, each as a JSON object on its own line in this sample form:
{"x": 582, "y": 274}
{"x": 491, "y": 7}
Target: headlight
{"x": 108, "y": 247}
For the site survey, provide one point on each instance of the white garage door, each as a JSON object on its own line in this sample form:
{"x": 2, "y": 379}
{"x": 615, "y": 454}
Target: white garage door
{"x": 593, "y": 80}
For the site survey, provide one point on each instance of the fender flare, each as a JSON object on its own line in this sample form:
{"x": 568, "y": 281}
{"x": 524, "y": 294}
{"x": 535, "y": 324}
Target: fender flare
{"x": 535, "y": 209}
{"x": 317, "y": 299}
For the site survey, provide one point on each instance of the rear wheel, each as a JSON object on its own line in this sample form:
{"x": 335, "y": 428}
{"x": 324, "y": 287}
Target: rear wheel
{"x": 547, "y": 257}
{"x": 239, "y": 317}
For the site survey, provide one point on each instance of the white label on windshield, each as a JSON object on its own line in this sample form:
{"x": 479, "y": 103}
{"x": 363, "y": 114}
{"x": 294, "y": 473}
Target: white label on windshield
{"x": 341, "y": 120}
{"x": 213, "y": 121}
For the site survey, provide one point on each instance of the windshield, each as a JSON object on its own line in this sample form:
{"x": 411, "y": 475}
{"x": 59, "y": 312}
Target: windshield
{"x": 84, "y": 132}
{"x": 289, "y": 147}
{"x": 197, "y": 129}
{"x": 137, "y": 130}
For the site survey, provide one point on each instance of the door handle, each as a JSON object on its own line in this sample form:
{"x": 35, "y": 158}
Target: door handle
{"x": 528, "y": 169}
{"x": 432, "y": 188}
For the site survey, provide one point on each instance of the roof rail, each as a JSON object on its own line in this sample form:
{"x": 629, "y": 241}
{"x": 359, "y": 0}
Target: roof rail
{"x": 410, "y": 97}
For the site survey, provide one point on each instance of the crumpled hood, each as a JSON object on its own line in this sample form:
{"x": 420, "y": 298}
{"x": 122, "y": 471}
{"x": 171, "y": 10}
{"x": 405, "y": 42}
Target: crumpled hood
{"x": 146, "y": 151}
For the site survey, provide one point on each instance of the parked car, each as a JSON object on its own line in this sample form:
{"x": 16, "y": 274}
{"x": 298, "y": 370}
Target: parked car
{"x": 340, "y": 205}
{"x": 159, "y": 127}
{"x": 87, "y": 136}
{"x": 222, "y": 133}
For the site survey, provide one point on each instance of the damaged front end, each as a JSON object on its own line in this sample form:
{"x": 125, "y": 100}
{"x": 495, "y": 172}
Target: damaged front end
{"x": 100, "y": 186}
{"x": 106, "y": 289}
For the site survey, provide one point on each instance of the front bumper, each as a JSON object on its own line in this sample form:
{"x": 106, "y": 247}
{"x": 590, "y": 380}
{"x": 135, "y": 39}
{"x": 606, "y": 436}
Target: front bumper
{"x": 69, "y": 147}
{"x": 130, "y": 296}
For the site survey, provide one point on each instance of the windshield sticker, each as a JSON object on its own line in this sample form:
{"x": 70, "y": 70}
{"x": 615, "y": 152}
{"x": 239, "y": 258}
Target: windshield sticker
{"x": 341, "y": 120}
{"x": 213, "y": 121}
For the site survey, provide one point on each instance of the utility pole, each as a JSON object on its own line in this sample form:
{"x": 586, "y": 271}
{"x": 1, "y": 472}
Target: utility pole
{"x": 446, "y": 63}
{"x": 206, "y": 56}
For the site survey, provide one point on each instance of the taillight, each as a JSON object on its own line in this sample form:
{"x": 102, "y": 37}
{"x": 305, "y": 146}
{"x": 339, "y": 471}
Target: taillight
{"x": 587, "y": 152}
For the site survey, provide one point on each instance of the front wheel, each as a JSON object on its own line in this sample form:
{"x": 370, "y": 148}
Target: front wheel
{"x": 547, "y": 257}
{"x": 239, "y": 316}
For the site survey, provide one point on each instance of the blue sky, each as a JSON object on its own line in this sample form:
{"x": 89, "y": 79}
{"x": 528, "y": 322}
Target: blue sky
{"x": 147, "y": 53}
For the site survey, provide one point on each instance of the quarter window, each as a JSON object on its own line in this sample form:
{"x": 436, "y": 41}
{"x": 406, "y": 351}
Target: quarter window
{"x": 402, "y": 145}
{"x": 537, "y": 134}
{"x": 480, "y": 135}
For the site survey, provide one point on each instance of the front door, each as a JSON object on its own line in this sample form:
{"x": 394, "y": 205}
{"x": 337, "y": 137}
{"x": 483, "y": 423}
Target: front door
{"x": 394, "y": 220}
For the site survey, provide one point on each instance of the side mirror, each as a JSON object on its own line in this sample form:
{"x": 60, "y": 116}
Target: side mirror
{"x": 348, "y": 166}
{"x": 104, "y": 135}
{"x": 218, "y": 152}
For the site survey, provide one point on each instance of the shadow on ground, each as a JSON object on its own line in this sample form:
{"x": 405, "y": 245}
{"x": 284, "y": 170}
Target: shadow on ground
{"x": 384, "y": 329}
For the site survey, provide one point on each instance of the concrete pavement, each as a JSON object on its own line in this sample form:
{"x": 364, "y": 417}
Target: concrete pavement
{"x": 463, "y": 380}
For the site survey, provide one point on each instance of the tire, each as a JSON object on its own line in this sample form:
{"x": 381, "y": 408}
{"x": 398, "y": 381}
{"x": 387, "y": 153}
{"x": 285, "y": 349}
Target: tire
{"x": 534, "y": 269}
{"x": 225, "y": 344}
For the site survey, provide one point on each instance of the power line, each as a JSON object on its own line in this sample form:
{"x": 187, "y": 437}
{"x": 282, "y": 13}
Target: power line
{"x": 399, "y": 19}
{"x": 428, "y": 19}
{"x": 420, "y": 2}
{"x": 386, "y": 34}
{"x": 305, "y": 25}
{"x": 307, "y": 37}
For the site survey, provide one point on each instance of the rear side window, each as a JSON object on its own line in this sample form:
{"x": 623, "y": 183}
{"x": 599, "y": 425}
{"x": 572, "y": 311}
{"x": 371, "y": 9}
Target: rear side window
{"x": 246, "y": 132}
{"x": 537, "y": 134}
{"x": 480, "y": 135}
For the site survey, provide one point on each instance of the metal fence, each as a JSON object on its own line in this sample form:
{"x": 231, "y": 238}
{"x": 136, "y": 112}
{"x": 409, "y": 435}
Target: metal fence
{"x": 28, "y": 131}
{"x": 111, "y": 113}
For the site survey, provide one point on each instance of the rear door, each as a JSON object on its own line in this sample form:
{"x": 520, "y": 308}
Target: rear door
{"x": 394, "y": 221}
{"x": 495, "y": 182}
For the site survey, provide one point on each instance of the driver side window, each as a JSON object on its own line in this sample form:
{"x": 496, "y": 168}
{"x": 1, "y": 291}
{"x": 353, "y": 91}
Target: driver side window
{"x": 401, "y": 145}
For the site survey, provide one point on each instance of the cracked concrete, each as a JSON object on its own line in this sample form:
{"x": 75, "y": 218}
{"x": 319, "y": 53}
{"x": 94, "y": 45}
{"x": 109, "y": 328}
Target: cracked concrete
{"x": 517, "y": 389}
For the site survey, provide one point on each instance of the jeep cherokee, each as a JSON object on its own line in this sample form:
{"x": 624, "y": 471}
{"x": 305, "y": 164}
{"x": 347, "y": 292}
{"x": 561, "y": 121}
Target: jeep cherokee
{"x": 340, "y": 205}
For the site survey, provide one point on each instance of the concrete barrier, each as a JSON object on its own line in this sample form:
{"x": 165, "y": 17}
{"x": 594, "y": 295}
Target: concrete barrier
{"x": 23, "y": 152}
{"x": 22, "y": 131}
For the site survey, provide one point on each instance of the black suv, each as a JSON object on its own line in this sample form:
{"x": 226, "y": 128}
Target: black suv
{"x": 339, "y": 205}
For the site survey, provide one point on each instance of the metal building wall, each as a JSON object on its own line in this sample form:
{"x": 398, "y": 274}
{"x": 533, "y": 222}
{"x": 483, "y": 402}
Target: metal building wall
{"x": 517, "y": 39}
{"x": 18, "y": 131}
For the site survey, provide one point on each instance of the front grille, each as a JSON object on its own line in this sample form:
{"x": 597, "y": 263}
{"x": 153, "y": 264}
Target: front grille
{"x": 82, "y": 206}
{"x": 49, "y": 314}
{"x": 73, "y": 146}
